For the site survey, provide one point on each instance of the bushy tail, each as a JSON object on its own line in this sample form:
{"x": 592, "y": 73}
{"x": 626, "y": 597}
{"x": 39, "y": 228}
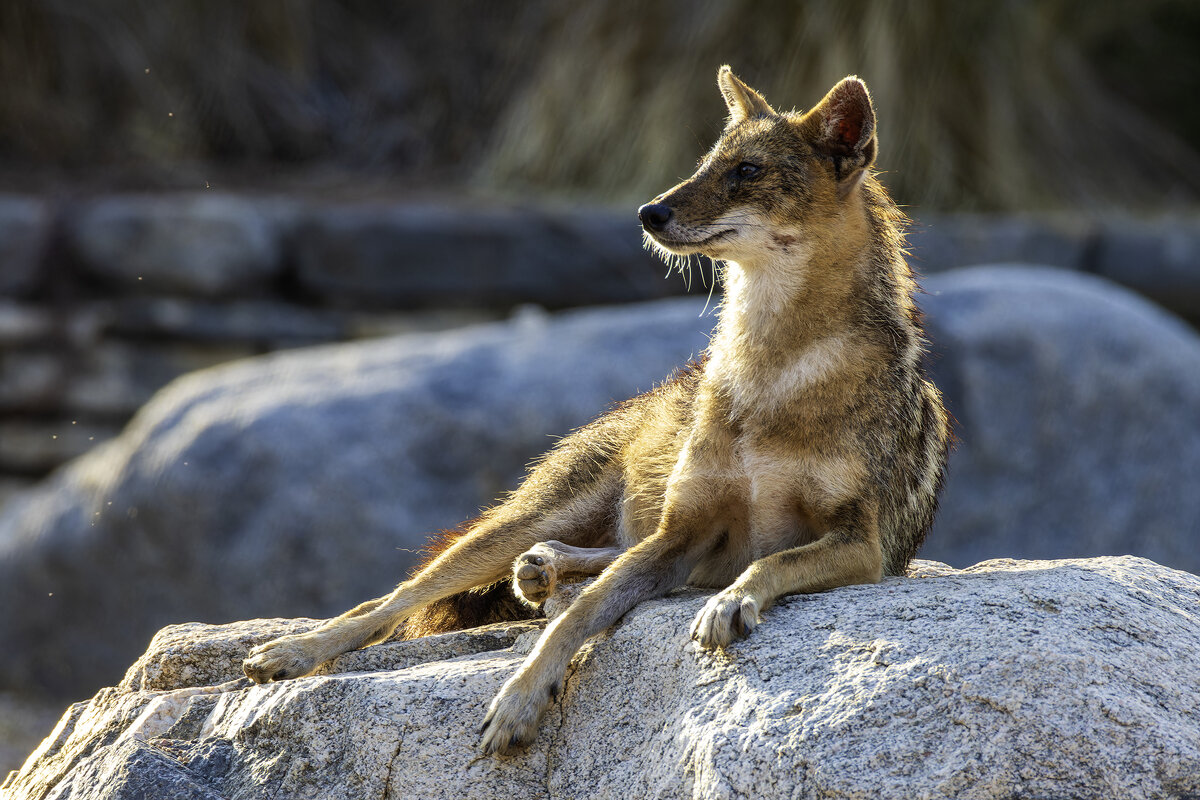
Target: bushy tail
{"x": 482, "y": 605}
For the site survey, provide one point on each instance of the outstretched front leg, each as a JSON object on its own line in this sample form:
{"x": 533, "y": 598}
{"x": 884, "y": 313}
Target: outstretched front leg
{"x": 848, "y": 553}
{"x": 649, "y": 569}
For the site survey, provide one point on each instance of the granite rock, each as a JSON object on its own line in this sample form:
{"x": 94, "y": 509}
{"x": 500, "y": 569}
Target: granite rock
{"x": 1068, "y": 678}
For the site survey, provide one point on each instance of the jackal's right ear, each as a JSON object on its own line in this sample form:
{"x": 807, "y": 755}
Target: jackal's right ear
{"x": 842, "y": 128}
{"x": 743, "y": 101}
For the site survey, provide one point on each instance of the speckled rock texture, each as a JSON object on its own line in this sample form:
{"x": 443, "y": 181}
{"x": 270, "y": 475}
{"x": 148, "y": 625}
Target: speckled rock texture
{"x": 1038, "y": 679}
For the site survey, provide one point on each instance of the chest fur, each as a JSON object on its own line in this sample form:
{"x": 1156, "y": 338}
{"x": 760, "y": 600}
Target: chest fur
{"x": 768, "y": 385}
{"x": 773, "y": 499}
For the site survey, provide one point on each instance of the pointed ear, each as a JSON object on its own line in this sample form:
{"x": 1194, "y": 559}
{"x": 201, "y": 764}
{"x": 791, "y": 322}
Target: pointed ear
{"x": 743, "y": 101}
{"x": 842, "y": 127}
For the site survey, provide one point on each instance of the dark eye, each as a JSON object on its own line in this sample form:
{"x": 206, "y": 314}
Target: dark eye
{"x": 746, "y": 170}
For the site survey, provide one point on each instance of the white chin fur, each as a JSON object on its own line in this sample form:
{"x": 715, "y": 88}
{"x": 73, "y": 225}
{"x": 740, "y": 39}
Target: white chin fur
{"x": 660, "y": 249}
{"x": 745, "y": 231}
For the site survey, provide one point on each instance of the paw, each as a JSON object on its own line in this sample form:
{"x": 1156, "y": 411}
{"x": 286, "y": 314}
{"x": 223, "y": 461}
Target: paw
{"x": 512, "y": 718}
{"x": 534, "y": 574}
{"x": 287, "y": 657}
{"x": 728, "y": 615}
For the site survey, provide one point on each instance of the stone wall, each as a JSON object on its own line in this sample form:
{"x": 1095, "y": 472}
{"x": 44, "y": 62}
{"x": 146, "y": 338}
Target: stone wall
{"x": 103, "y": 300}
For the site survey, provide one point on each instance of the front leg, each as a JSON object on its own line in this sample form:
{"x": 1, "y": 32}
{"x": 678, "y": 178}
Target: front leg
{"x": 848, "y": 554}
{"x": 649, "y": 569}
{"x": 697, "y": 501}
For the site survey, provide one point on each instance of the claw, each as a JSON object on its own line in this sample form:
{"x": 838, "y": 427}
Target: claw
{"x": 512, "y": 719}
{"x": 736, "y": 625}
{"x": 727, "y": 616}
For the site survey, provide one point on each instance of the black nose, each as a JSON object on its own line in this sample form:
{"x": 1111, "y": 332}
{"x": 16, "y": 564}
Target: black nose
{"x": 654, "y": 216}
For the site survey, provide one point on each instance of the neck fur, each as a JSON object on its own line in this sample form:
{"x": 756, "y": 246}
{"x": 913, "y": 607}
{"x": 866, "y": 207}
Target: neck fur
{"x": 783, "y": 325}
{"x": 781, "y": 302}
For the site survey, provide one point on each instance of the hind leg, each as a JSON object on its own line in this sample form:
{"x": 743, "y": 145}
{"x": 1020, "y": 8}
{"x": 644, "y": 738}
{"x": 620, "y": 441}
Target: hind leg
{"x": 479, "y": 557}
{"x": 540, "y": 568}
{"x": 572, "y": 494}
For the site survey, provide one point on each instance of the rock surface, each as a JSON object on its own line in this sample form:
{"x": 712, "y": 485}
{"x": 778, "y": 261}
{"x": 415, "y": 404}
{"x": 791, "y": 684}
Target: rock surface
{"x": 1009, "y": 679}
{"x": 398, "y": 256}
{"x": 943, "y": 242}
{"x": 1157, "y": 259}
{"x": 304, "y": 482}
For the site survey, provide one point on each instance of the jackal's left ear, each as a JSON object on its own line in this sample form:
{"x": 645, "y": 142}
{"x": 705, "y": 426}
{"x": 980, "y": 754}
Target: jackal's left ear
{"x": 842, "y": 127}
{"x": 743, "y": 101}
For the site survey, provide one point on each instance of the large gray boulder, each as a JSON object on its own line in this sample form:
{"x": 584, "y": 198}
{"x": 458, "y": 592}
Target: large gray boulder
{"x": 1078, "y": 418}
{"x": 1071, "y": 678}
{"x": 304, "y": 482}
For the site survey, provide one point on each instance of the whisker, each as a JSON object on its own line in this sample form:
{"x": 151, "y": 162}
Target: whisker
{"x": 712, "y": 285}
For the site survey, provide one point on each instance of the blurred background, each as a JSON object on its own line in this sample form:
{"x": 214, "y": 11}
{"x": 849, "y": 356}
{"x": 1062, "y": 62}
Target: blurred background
{"x": 130, "y": 131}
{"x": 987, "y": 106}
{"x": 187, "y": 183}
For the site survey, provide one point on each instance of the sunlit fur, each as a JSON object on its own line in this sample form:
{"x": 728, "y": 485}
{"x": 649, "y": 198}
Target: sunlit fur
{"x": 803, "y": 452}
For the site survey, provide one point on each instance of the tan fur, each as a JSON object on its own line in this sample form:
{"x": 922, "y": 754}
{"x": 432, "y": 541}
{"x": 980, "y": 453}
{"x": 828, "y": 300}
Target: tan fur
{"x": 804, "y": 454}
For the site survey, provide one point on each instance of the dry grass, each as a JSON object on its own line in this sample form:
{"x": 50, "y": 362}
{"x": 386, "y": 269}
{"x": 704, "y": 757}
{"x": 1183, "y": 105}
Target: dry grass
{"x": 983, "y": 105}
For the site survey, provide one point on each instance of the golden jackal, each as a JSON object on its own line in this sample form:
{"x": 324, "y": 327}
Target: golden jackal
{"x": 805, "y": 452}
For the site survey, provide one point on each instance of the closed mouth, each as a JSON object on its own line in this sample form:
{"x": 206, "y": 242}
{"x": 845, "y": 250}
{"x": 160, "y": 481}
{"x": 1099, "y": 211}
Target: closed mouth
{"x": 696, "y": 243}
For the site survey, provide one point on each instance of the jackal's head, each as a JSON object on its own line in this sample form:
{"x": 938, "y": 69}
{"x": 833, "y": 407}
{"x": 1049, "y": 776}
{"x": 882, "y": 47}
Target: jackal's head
{"x": 772, "y": 181}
